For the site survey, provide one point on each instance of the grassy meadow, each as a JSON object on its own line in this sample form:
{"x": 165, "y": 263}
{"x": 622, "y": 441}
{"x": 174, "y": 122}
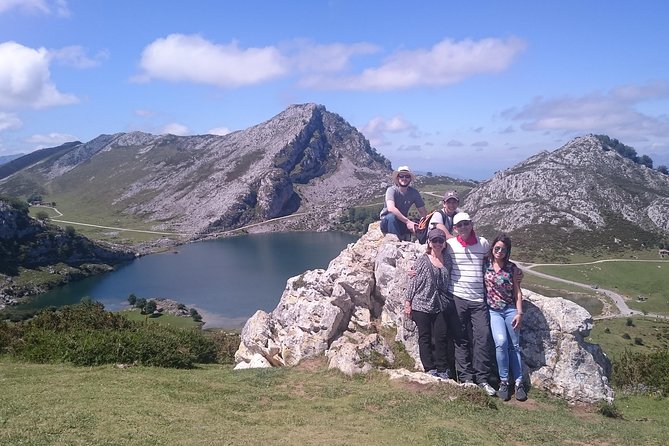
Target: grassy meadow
{"x": 636, "y": 334}
{"x": 587, "y": 298}
{"x": 308, "y": 405}
{"x": 650, "y": 280}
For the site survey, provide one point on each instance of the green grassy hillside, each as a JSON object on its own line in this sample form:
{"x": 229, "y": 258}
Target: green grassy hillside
{"x": 650, "y": 280}
{"x": 307, "y": 405}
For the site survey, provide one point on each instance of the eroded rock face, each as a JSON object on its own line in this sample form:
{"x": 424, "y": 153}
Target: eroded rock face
{"x": 336, "y": 312}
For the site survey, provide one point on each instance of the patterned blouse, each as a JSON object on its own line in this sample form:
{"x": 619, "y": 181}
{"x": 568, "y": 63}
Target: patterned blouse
{"x": 424, "y": 288}
{"x": 499, "y": 285}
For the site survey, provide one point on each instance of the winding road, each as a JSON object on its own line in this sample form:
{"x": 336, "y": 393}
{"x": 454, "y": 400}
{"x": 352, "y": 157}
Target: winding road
{"x": 616, "y": 298}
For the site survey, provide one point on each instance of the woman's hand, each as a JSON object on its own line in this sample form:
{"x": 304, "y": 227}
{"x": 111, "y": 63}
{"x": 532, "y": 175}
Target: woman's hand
{"x": 515, "y": 323}
{"x": 407, "y": 308}
{"x": 411, "y": 272}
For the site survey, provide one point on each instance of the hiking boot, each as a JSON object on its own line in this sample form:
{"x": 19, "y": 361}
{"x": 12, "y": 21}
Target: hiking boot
{"x": 487, "y": 388}
{"x": 446, "y": 374}
{"x": 432, "y": 372}
{"x": 521, "y": 394}
{"x": 503, "y": 392}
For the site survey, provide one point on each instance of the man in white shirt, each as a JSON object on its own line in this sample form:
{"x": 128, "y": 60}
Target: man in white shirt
{"x": 472, "y": 355}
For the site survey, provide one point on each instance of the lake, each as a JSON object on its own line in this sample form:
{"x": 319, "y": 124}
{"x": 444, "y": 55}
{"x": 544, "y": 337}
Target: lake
{"x": 226, "y": 280}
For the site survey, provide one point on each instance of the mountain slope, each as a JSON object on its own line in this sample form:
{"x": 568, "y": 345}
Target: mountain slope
{"x": 304, "y": 159}
{"x": 590, "y": 193}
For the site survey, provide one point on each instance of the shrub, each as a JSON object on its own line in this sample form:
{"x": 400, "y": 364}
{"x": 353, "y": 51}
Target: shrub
{"x": 226, "y": 344}
{"x": 626, "y": 336}
{"x": 132, "y": 299}
{"x": 638, "y": 341}
{"x": 629, "y": 322}
{"x": 85, "y": 334}
{"x": 609, "y": 410}
{"x": 642, "y": 372}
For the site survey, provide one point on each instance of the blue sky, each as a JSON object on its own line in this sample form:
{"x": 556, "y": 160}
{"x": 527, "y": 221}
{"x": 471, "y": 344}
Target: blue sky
{"x": 465, "y": 88}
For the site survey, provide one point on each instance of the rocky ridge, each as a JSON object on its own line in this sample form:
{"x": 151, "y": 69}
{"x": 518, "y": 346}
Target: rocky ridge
{"x": 582, "y": 186}
{"x": 338, "y": 312}
{"x": 295, "y": 162}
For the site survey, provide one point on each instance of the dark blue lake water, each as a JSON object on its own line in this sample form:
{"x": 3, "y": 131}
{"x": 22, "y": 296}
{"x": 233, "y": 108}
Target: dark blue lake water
{"x": 227, "y": 280}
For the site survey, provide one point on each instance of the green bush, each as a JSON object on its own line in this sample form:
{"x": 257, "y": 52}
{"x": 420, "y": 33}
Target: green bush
{"x": 226, "y": 344}
{"x": 85, "y": 334}
{"x": 642, "y": 372}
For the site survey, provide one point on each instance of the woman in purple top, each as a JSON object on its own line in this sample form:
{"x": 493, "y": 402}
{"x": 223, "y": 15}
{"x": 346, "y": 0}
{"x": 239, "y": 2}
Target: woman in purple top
{"x": 505, "y": 303}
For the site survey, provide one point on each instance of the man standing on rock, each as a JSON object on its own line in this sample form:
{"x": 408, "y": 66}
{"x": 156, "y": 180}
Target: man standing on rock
{"x": 471, "y": 321}
{"x": 399, "y": 199}
{"x": 444, "y": 219}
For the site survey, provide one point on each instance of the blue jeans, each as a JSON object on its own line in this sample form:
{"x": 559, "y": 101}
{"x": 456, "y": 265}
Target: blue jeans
{"x": 390, "y": 224}
{"x": 507, "y": 343}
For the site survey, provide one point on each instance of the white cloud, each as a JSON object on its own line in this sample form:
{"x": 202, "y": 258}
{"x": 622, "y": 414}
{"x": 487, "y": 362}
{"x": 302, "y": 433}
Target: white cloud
{"x": 314, "y": 58}
{"x": 455, "y": 143}
{"x": 9, "y": 121}
{"x": 57, "y": 7}
{"x": 76, "y": 56}
{"x": 25, "y": 79}
{"x": 50, "y": 140}
{"x": 480, "y": 144}
{"x": 191, "y": 58}
{"x": 220, "y": 131}
{"x": 175, "y": 129}
{"x": 613, "y": 112}
{"x": 144, "y": 113}
{"x": 446, "y": 63}
{"x": 376, "y": 129}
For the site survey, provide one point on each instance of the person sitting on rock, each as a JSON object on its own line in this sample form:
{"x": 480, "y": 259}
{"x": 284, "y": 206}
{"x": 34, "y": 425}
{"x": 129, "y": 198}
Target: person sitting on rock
{"x": 444, "y": 219}
{"x": 399, "y": 199}
{"x": 427, "y": 305}
{"x": 470, "y": 322}
{"x": 505, "y": 305}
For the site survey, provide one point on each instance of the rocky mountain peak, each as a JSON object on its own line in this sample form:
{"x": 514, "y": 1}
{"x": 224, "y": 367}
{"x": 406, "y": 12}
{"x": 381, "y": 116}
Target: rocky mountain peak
{"x": 580, "y": 187}
{"x": 295, "y": 162}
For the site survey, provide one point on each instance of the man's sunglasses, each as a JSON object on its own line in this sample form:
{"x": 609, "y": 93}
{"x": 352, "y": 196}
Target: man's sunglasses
{"x": 404, "y": 176}
{"x": 463, "y": 223}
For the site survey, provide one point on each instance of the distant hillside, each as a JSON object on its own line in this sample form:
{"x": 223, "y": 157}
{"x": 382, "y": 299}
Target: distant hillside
{"x": 31, "y": 244}
{"x": 305, "y": 159}
{"x": 580, "y": 197}
{"x": 37, "y": 156}
{"x": 7, "y": 158}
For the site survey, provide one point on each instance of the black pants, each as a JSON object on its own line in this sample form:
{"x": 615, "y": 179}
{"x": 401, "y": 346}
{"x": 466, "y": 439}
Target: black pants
{"x": 470, "y": 325}
{"x": 432, "y": 340}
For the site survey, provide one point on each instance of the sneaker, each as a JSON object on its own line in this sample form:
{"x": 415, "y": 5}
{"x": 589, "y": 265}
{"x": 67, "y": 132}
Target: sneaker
{"x": 503, "y": 392}
{"x": 432, "y": 372}
{"x": 446, "y": 374}
{"x": 487, "y": 388}
{"x": 521, "y": 394}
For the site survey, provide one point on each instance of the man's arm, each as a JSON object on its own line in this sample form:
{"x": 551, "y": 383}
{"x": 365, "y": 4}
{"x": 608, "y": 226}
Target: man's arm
{"x": 422, "y": 211}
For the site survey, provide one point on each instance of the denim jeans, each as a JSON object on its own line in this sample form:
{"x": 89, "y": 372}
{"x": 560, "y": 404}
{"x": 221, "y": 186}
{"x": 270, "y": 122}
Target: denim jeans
{"x": 507, "y": 343}
{"x": 390, "y": 224}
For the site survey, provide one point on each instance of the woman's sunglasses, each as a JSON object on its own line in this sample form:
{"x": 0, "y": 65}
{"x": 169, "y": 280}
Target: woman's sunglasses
{"x": 498, "y": 249}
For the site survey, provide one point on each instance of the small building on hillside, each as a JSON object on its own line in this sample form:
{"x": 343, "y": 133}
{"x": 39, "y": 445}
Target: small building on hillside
{"x": 663, "y": 253}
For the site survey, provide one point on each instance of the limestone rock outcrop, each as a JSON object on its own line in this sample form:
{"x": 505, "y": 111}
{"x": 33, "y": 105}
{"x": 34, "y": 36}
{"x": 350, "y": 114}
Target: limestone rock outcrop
{"x": 338, "y": 312}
